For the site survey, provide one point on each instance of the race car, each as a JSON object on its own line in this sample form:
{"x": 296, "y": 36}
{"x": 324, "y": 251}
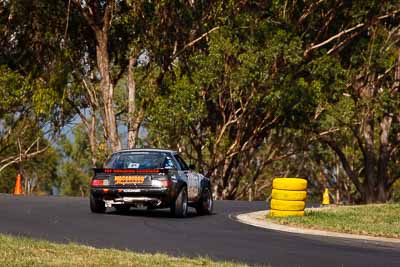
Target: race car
{"x": 152, "y": 178}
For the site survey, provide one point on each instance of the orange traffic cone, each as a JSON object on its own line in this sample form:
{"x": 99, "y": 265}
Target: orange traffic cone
{"x": 18, "y": 186}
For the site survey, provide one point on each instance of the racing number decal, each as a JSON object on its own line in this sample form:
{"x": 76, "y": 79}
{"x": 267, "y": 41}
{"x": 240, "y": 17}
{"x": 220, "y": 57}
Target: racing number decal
{"x": 193, "y": 185}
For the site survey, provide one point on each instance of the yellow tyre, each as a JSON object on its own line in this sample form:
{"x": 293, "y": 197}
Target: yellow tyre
{"x": 285, "y": 213}
{"x": 295, "y": 184}
{"x": 288, "y": 195}
{"x": 287, "y": 205}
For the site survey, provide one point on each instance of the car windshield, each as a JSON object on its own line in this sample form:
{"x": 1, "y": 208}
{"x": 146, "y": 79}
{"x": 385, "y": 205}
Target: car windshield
{"x": 140, "y": 160}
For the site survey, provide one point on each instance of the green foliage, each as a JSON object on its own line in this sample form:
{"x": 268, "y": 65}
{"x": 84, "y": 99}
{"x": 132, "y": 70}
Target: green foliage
{"x": 14, "y": 89}
{"x": 396, "y": 192}
{"x": 75, "y": 166}
{"x": 7, "y": 180}
{"x": 231, "y": 84}
{"x": 40, "y": 172}
{"x": 73, "y": 181}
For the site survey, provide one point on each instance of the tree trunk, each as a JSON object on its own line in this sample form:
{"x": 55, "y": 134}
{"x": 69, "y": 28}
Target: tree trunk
{"x": 383, "y": 191}
{"x": 100, "y": 26}
{"x": 369, "y": 159}
{"x": 107, "y": 91}
{"x": 92, "y": 139}
{"x": 134, "y": 121}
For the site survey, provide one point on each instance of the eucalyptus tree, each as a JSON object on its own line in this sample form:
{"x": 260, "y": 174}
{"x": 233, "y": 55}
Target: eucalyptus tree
{"x": 32, "y": 79}
{"x": 229, "y": 102}
{"x": 349, "y": 71}
{"x": 327, "y": 68}
{"x": 352, "y": 49}
{"x": 129, "y": 45}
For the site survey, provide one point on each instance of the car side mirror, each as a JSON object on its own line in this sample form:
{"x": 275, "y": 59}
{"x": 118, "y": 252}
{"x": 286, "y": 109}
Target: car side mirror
{"x": 192, "y": 166}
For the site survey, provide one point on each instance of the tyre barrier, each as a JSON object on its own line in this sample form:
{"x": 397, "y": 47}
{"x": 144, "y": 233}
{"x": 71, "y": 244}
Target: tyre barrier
{"x": 292, "y": 184}
{"x": 288, "y": 205}
{"x": 288, "y": 197}
{"x": 286, "y": 213}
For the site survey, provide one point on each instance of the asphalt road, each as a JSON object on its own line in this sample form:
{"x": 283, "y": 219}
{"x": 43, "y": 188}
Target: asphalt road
{"x": 64, "y": 219}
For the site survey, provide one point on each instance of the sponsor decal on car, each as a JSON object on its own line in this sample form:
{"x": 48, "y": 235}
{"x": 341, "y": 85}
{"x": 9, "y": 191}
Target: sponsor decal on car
{"x": 133, "y": 165}
{"x": 132, "y": 190}
{"x": 128, "y": 180}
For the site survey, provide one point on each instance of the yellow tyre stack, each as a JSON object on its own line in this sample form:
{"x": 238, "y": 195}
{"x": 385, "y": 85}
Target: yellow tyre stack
{"x": 288, "y": 197}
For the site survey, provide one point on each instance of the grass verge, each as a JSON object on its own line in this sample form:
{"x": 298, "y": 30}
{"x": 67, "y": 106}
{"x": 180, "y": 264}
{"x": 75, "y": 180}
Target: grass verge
{"x": 375, "y": 220}
{"x": 18, "y": 251}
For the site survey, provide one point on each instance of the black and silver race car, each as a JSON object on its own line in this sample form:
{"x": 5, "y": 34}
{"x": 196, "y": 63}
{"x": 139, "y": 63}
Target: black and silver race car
{"x": 153, "y": 178}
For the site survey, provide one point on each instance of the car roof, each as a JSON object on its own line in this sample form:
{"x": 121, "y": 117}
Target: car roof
{"x": 147, "y": 150}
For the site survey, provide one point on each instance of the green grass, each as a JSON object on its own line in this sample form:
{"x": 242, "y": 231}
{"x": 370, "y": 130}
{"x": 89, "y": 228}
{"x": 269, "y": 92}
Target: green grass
{"x": 374, "y": 220}
{"x": 17, "y": 251}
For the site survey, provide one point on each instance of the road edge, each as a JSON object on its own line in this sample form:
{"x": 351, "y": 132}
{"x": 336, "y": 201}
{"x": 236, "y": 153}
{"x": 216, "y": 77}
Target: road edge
{"x": 257, "y": 219}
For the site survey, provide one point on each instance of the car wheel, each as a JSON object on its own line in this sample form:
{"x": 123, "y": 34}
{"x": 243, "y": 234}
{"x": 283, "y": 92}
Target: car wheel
{"x": 122, "y": 208}
{"x": 97, "y": 205}
{"x": 205, "y": 204}
{"x": 180, "y": 206}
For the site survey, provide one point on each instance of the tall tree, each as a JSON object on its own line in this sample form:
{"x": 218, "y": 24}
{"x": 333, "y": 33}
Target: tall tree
{"x": 230, "y": 102}
{"x": 154, "y": 35}
{"x": 354, "y": 66}
{"x": 33, "y": 82}
{"x": 99, "y": 16}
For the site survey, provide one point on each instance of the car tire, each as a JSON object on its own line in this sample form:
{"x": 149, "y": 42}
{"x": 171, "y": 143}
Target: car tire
{"x": 180, "y": 206}
{"x": 97, "y": 205}
{"x": 122, "y": 208}
{"x": 205, "y": 204}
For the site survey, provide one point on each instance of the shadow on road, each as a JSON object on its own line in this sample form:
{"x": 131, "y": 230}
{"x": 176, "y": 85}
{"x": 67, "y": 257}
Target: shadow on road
{"x": 158, "y": 213}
